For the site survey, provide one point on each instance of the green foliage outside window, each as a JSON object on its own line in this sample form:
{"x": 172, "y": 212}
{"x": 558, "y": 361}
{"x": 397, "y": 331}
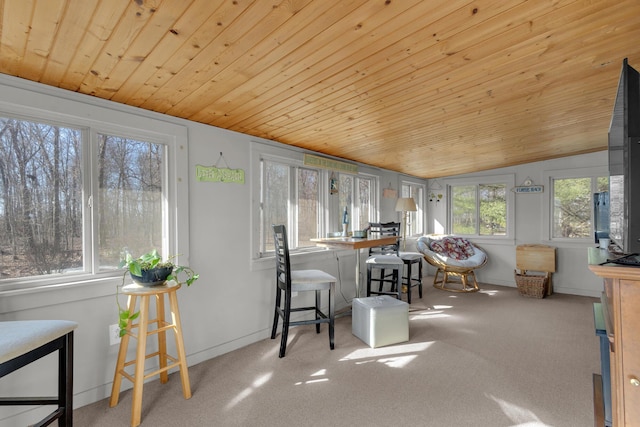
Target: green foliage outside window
{"x": 573, "y": 205}
{"x": 479, "y": 209}
{"x": 493, "y": 210}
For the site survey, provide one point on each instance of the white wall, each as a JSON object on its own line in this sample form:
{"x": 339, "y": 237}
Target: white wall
{"x": 572, "y": 275}
{"x": 232, "y": 303}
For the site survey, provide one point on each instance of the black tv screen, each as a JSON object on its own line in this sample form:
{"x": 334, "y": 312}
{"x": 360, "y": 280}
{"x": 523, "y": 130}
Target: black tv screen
{"x": 624, "y": 162}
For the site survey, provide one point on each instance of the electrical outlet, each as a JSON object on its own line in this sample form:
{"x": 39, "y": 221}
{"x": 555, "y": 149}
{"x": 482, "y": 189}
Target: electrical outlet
{"x": 114, "y": 334}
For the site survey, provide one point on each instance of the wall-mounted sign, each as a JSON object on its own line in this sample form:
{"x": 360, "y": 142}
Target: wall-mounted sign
{"x": 323, "y": 162}
{"x": 390, "y": 193}
{"x": 530, "y": 189}
{"x": 215, "y": 174}
{"x": 333, "y": 184}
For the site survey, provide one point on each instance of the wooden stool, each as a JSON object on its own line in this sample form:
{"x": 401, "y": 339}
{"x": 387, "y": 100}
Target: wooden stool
{"x": 145, "y": 292}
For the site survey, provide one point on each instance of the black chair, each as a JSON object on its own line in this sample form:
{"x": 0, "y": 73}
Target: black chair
{"x": 288, "y": 281}
{"x": 24, "y": 342}
{"x": 384, "y": 258}
{"x": 413, "y": 278}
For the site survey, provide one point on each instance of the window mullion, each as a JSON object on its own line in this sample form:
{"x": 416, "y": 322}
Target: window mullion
{"x": 91, "y": 203}
{"x": 478, "y": 219}
{"x": 293, "y": 207}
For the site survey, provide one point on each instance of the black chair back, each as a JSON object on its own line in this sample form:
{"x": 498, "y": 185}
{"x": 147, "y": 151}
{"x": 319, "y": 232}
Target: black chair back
{"x": 383, "y": 230}
{"x": 283, "y": 263}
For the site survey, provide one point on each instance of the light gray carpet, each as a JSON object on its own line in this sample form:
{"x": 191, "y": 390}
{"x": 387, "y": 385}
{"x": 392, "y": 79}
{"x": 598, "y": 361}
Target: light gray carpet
{"x": 493, "y": 358}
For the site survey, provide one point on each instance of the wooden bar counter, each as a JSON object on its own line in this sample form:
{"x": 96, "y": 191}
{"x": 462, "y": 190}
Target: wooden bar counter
{"x": 621, "y": 310}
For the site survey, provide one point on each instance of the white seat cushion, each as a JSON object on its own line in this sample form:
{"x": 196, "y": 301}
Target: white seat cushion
{"x": 411, "y": 256}
{"x": 306, "y": 280}
{"x": 22, "y": 336}
{"x": 385, "y": 261}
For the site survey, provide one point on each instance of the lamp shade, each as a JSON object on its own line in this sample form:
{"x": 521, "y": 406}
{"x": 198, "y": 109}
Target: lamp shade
{"x": 406, "y": 204}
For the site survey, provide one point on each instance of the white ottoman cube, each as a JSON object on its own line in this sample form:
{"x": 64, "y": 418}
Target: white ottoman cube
{"x": 380, "y": 320}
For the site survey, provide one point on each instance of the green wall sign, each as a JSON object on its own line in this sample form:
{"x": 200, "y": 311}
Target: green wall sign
{"x": 215, "y": 174}
{"x": 323, "y": 162}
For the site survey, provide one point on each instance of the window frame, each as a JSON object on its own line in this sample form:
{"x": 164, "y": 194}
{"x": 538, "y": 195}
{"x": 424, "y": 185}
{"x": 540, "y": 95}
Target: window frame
{"x": 548, "y": 206}
{"x": 292, "y": 220}
{"x": 405, "y": 191}
{"x": 172, "y": 136}
{"x": 329, "y": 206}
{"x": 507, "y": 179}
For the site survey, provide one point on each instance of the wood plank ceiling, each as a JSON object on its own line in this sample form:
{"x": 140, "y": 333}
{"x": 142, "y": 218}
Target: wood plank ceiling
{"x": 427, "y": 88}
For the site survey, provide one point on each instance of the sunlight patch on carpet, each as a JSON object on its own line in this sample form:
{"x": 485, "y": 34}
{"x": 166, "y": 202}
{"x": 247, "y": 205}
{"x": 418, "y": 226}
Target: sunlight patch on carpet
{"x": 522, "y": 417}
{"x": 392, "y": 350}
{"x": 431, "y": 314}
{"x": 257, "y": 383}
{"x": 320, "y": 380}
{"x": 397, "y": 362}
{"x": 442, "y": 307}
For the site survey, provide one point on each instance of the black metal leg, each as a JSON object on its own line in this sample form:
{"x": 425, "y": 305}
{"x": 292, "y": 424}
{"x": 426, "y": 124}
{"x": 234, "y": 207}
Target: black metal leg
{"x": 317, "y": 311}
{"x": 396, "y": 282}
{"x": 409, "y": 282}
{"x": 368, "y": 280}
{"x": 420, "y": 278}
{"x": 65, "y": 381}
{"x": 277, "y": 314}
{"x": 285, "y": 325}
{"x": 331, "y": 308}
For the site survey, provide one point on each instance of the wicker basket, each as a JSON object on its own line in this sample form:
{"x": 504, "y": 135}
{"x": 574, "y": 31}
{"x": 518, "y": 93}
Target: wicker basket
{"x": 530, "y": 285}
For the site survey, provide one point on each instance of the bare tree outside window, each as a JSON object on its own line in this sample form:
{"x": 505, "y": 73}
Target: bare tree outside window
{"x": 130, "y": 183}
{"x": 294, "y": 195}
{"x": 308, "y": 206}
{"x": 365, "y": 205}
{"x": 275, "y": 199}
{"x": 42, "y": 218}
{"x": 40, "y": 199}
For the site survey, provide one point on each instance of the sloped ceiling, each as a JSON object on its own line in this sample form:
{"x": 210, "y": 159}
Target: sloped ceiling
{"x": 427, "y": 88}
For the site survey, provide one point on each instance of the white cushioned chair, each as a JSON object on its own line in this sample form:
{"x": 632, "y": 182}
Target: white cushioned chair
{"x": 454, "y": 257}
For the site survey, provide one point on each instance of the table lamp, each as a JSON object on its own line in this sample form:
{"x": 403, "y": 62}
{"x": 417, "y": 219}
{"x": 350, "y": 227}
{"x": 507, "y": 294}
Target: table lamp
{"x": 405, "y": 205}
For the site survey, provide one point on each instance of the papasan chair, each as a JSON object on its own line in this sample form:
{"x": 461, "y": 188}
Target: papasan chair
{"x": 453, "y": 257}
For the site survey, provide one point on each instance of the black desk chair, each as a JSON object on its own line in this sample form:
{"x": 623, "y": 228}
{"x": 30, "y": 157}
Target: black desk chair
{"x": 288, "y": 281}
{"x": 24, "y": 342}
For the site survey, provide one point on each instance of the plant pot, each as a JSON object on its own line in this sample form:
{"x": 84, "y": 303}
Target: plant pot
{"x": 153, "y": 277}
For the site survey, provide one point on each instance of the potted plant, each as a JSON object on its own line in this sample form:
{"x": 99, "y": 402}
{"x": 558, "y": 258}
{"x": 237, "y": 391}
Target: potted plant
{"x": 150, "y": 270}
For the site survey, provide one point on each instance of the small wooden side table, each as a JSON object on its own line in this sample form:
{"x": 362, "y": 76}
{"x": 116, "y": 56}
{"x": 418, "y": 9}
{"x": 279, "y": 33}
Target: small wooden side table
{"x": 135, "y": 291}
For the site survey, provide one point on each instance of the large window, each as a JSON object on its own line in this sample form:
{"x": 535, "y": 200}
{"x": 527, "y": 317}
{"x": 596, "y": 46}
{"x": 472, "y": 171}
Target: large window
{"x": 481, "y": 208}
{"x": 300, "y": 197}
{"x": 572, "y": 205}
{"x": 415, "y": 220}
{"x": 130, "y": 205}
{"x": 356, "y": 194}
{"x": 74, "y": 198}
{"x": 291, "y": 196}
